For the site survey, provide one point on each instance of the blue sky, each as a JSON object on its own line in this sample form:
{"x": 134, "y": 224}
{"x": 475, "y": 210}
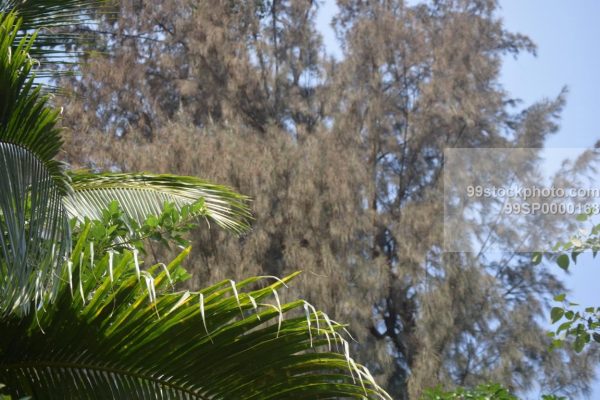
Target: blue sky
{"x": 567, "y": 34}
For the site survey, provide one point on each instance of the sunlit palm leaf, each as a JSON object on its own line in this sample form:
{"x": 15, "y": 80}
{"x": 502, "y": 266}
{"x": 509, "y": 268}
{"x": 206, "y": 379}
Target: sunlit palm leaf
{"x": 144, "y": 194}
{"x": 34, "y": 233}
{"x": 106, "y": 338}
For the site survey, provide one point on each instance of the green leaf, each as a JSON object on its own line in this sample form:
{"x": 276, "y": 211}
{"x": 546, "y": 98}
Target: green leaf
{"x": 581, "y": 217}
{"x": 563, "y": 261}
{"x": 574, "y": 256}
{"x": 569, "y": 315}
{"x": 560, "y": 297}
{"x": 556, "y": 313}
{"x": 579, "y": 343}
{"x": 152, "y": 221}
{"x": 98, "y": 231}
{"x": 564, "y": 326}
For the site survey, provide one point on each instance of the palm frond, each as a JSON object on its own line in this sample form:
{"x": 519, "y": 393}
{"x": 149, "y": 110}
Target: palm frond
{"x": 52, "y": 19}
{"x": 123, "y": 336}
{"x": 26, "y": 120}
{"x": 34, "y": 232}
{"x": 145, "y": 194}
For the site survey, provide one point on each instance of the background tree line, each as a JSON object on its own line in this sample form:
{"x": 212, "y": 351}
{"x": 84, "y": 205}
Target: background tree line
{"x": 343, "y": 160}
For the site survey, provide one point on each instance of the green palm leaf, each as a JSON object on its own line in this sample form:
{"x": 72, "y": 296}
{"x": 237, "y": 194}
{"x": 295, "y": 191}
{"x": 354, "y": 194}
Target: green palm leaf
{"x": 34, "y": 233}
{"x": 26, "y": 119}
{"x": 127, "y": 335}
{"x": 145, "y": 194}
{"x": 51, "y": 19}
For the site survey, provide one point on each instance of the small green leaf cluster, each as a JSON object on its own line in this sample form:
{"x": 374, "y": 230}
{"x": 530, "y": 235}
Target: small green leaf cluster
{"x": 583, "y": 325}
{"x": 170, "y": 226}
{"x": 116, "y": 231}
{"x": 579, "y": 243}
{"x": 481, "y": 392}
{"x": 567, "y": 252}
{"x": 492, "y": 391}
{"x": 576, "y": 326}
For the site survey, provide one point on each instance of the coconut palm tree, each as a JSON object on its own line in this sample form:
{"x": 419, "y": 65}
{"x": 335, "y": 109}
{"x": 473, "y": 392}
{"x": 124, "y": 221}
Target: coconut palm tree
{"x": 80, "y": 315}
{"x": 40, "y": 197}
